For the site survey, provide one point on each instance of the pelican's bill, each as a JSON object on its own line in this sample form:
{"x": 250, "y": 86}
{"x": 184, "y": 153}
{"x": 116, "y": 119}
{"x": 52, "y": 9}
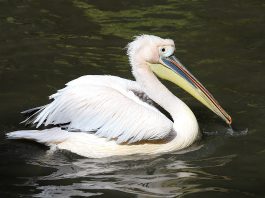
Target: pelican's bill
{"x": 172, "y": 70}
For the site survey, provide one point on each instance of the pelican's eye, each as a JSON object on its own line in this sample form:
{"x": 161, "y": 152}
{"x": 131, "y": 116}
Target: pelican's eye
{"x": 162, "y": 50}
{"x": 166, "y": 51}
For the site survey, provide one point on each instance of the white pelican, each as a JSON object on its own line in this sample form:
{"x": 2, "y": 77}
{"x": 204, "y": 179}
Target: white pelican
{"x": 101, "y": 116}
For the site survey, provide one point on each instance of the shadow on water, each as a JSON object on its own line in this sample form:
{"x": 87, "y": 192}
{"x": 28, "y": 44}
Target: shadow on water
{"x": 44, "y": 44}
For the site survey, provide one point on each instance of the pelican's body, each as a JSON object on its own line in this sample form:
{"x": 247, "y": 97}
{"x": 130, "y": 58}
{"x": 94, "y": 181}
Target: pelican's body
{"x": 102, "y": 116}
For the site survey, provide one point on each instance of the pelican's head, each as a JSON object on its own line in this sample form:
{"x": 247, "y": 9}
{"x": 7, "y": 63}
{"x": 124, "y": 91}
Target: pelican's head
{"x": 158, "y": 54}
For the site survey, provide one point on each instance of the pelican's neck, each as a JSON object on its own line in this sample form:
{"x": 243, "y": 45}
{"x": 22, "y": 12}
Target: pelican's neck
{"x": 185, "y": 123}
{"x": 157, "y": 91}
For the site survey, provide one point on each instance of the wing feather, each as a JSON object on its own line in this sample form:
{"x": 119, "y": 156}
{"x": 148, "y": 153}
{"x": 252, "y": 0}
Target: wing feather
{"x": 108, "y": 106}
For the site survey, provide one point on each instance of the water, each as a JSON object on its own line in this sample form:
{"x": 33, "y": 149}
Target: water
{"x": 44, "y": 44}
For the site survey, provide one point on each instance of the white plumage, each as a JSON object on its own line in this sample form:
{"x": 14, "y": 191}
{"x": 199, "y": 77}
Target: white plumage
{"x": 103, "y": 115}
{"x": 108, "y": 106}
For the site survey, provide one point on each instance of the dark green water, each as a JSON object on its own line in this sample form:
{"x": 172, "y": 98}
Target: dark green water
{"x": 44, "y": 44}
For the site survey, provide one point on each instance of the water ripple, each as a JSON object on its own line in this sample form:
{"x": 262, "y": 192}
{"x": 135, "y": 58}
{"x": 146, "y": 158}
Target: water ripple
{"x": 159, "y": 176}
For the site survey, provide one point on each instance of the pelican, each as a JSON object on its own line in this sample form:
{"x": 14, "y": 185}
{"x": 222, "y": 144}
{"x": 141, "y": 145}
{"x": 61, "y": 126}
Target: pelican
{"x": 102, "y": 116}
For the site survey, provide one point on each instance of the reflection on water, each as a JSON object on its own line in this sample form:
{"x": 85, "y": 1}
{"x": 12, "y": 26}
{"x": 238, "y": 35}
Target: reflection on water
{"x": 44, "y": 44}
{"x": 128, "y": 22}
{"x": 159, "y": 176}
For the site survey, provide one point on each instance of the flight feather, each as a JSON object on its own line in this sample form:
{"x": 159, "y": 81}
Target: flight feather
{"x": 107, "y": 106}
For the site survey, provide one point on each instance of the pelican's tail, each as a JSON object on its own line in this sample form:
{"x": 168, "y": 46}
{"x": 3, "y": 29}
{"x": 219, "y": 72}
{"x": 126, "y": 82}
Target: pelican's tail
{"x": 48, "y": 137}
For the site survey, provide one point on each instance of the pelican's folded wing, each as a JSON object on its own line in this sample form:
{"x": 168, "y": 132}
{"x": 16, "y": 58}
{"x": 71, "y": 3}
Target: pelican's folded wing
{"x": 107, "y": 106}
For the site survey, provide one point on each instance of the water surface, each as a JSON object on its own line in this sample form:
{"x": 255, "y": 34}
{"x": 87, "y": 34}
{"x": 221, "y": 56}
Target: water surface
{"x": 44, "y": 44}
